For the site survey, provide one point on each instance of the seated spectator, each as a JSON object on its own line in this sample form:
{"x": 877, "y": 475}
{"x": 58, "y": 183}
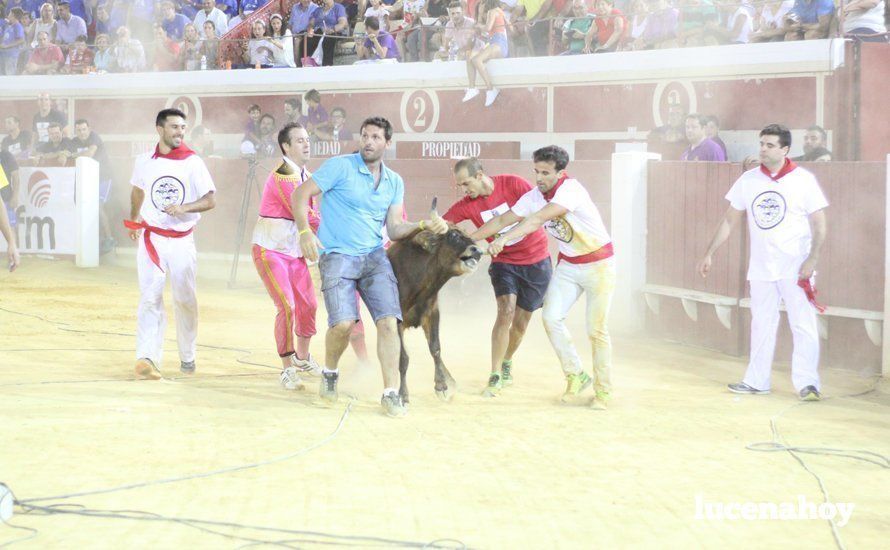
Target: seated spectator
{"x": 210, "y": 12}
{"x": 737, "y": 23}
{"x": 228, "y": 7}
{"x": 380, "y": 11}
{"x": 459, "y": 35}
{"x": 335, "y": 129}
{"x": 46, "y": 58}
{"x": 129, "y": 55}
{"x": 769, "y": 24}
{"x": 865, "y": 18}
{"x": 190, "y": 49}
{"x": 495, "y": 47}
{"x": 190, "y": 8}
{"x": 300, "y": 16}
{"x": 639, "y": 10}
{"x": 250, "y": 6}
{"x": 46, "y": 22}
{"x": 662, "y": 25}
{"x": 68, "y": 26}
{"x": 328, "y": 20}
{"x": 103, "y": 61}
{"x": 267, "y": 145}
{"x": 700, "y": 147}
{"x": 283, "y": 40}
{"x": 292, "y": 114}
{"x": 12, "y": 41}
{"x": 670, "y": 139}
{"x": 712, "y": 130}
{"x": 260, "y": 51}
{"x": 575, "y": 29}
{"x": 56, "y": 150}
{"x": 316, "y": 115}
{"x": 609, "y": 30}
{"x": 809, "y": 20}
{"x": 80, "y": 58}
{"x": 87, "y": 143}
{"x": 408, "y": 38}
{"x": 378, "y": 44}
{"x": 103, "y": 24}
{"x": 17, "y": 141}
{"x": 210, "y": 45}
{"x": 173, "y": 23}
{"x": 236, "y": 19}
{"x": 45, "y": 116}
{"x": 815, "y": 146}
{"x": 165, "y": 51}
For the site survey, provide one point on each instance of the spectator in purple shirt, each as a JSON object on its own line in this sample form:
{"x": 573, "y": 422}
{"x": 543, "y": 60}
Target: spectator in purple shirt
{"x": 329, "y": 20}
{"x": 316, "y": 115}
{"x": 69, "y": 26}
{"x": 700, "y": 147}
{"x": 662, "y": 25}
{"x": 173, "y": 23}
{"x": 379, "y": 44}
{"x": 712, "y": 130}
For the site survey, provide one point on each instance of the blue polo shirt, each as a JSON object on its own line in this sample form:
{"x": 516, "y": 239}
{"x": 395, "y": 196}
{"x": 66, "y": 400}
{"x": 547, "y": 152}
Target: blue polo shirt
{"x": 810, "y": 12}
{"x": 352, "y": 211}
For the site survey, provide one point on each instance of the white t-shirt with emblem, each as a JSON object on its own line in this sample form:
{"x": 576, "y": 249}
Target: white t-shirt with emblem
{"x": 581, "y": 231}
{"x": 166, "y": 182}
{"x": 778, "y": 223}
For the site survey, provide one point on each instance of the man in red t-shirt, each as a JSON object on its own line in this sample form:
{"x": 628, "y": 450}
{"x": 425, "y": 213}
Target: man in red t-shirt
{"x": 519, "y": 275}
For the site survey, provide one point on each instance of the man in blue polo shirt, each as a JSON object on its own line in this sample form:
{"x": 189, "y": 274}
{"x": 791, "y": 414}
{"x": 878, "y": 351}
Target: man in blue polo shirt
{"x": 809, "y": 19}
{"x": 359, "y": 196}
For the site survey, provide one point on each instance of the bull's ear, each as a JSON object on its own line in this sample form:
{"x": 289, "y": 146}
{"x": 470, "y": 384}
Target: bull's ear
{"x": 425, "y": 240}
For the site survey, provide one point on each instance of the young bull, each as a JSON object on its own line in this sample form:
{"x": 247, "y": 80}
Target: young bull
{"x": 423, "y": 263}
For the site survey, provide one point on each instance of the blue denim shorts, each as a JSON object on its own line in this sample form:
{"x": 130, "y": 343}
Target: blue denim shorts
{"x": 371, "y": 275}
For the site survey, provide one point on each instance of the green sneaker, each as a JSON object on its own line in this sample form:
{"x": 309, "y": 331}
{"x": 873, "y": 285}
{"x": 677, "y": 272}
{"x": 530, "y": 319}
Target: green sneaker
{"x": 507, "y": 373}
{"x": 575, "y": 384}
{"x": 495, "y": 385}
{"x": 600, "y": 401}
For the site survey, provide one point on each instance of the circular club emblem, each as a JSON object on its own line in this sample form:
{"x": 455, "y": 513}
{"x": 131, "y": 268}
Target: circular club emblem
{"x": 188, "y": 104}
{"x": 768, "y": 209}
{"x": 679, "y": 95}
{"x": 420, "y": 111}
{"x": 167, "y": 190}
{"x": 560, "y": 229}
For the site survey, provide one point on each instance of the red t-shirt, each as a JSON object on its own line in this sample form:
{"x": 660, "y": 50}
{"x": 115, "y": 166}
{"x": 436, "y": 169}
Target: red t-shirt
{"x": 605, "y": 26}
{"x": 508, "y": 189}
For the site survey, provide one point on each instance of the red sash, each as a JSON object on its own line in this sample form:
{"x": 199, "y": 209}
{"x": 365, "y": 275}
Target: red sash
{"x": 148, "y": 230}
{"x": 810, "y": 290}
{"x": 600, "y": 253}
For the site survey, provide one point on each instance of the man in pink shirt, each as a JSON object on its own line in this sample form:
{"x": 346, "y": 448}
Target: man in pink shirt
{"x": 279, "y": 259}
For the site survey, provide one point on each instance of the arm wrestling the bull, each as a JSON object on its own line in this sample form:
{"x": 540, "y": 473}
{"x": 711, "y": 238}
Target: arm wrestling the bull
{"x": 397, "y": 228}
{"x": 300, "y": 200}
{"x": 528, "y": 225}
{"x": 493, "y": 227}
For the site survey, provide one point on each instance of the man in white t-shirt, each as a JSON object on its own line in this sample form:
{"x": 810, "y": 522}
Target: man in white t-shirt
{"x": 171, "y": 185}
{"x": 786, "y": 226}
{"x": 564, "y": 208}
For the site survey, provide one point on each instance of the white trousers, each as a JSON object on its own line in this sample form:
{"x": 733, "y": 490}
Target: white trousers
{"x": 179, "y": 260}
{"x": 568, "y": 283}
{"x": 765, "y": 297}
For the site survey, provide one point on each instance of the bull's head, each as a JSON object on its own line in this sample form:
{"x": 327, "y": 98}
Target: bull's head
{"x": 454, "y": 252}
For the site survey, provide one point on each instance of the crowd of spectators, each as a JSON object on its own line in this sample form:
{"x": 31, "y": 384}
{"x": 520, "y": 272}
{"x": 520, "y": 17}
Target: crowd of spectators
{"x": 82, "y": 36}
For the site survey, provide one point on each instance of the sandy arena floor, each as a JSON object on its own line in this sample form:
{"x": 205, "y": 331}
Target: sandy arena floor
{"x": 519, "y": 471}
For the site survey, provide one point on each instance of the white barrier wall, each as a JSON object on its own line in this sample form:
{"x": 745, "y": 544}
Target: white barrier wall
{"x": 87, "y": 212}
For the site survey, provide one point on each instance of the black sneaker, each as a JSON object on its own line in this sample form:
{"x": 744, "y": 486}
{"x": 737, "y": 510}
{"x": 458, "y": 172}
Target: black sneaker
{"x": 507, "y": 373}
{"x": 810, "y": 393}
{"x": 741, "y": 387}
{"x": 187, "y": 367}
{"x": 393, "y": 405}
{"x": 327, "y": 389}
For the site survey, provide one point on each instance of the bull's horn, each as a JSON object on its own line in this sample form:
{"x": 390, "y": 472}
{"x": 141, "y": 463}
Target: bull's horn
{"x": 433, "y": 206}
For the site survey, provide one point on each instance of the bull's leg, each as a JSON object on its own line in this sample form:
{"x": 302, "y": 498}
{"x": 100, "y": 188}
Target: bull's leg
{"x": 445, "y": 384}
{"x": 403, "y": 365}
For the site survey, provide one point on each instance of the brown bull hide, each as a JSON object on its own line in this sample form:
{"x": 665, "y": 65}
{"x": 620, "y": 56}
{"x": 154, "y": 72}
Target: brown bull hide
{"x": 423, "y": 263}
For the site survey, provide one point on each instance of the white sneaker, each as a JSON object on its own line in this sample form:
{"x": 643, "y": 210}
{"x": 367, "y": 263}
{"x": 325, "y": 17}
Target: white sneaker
{"x": 290, "y": 380}
{"x": 490, "y": 96}
{"x": 471, "y": 93}
{"x": 306, "y": 366}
